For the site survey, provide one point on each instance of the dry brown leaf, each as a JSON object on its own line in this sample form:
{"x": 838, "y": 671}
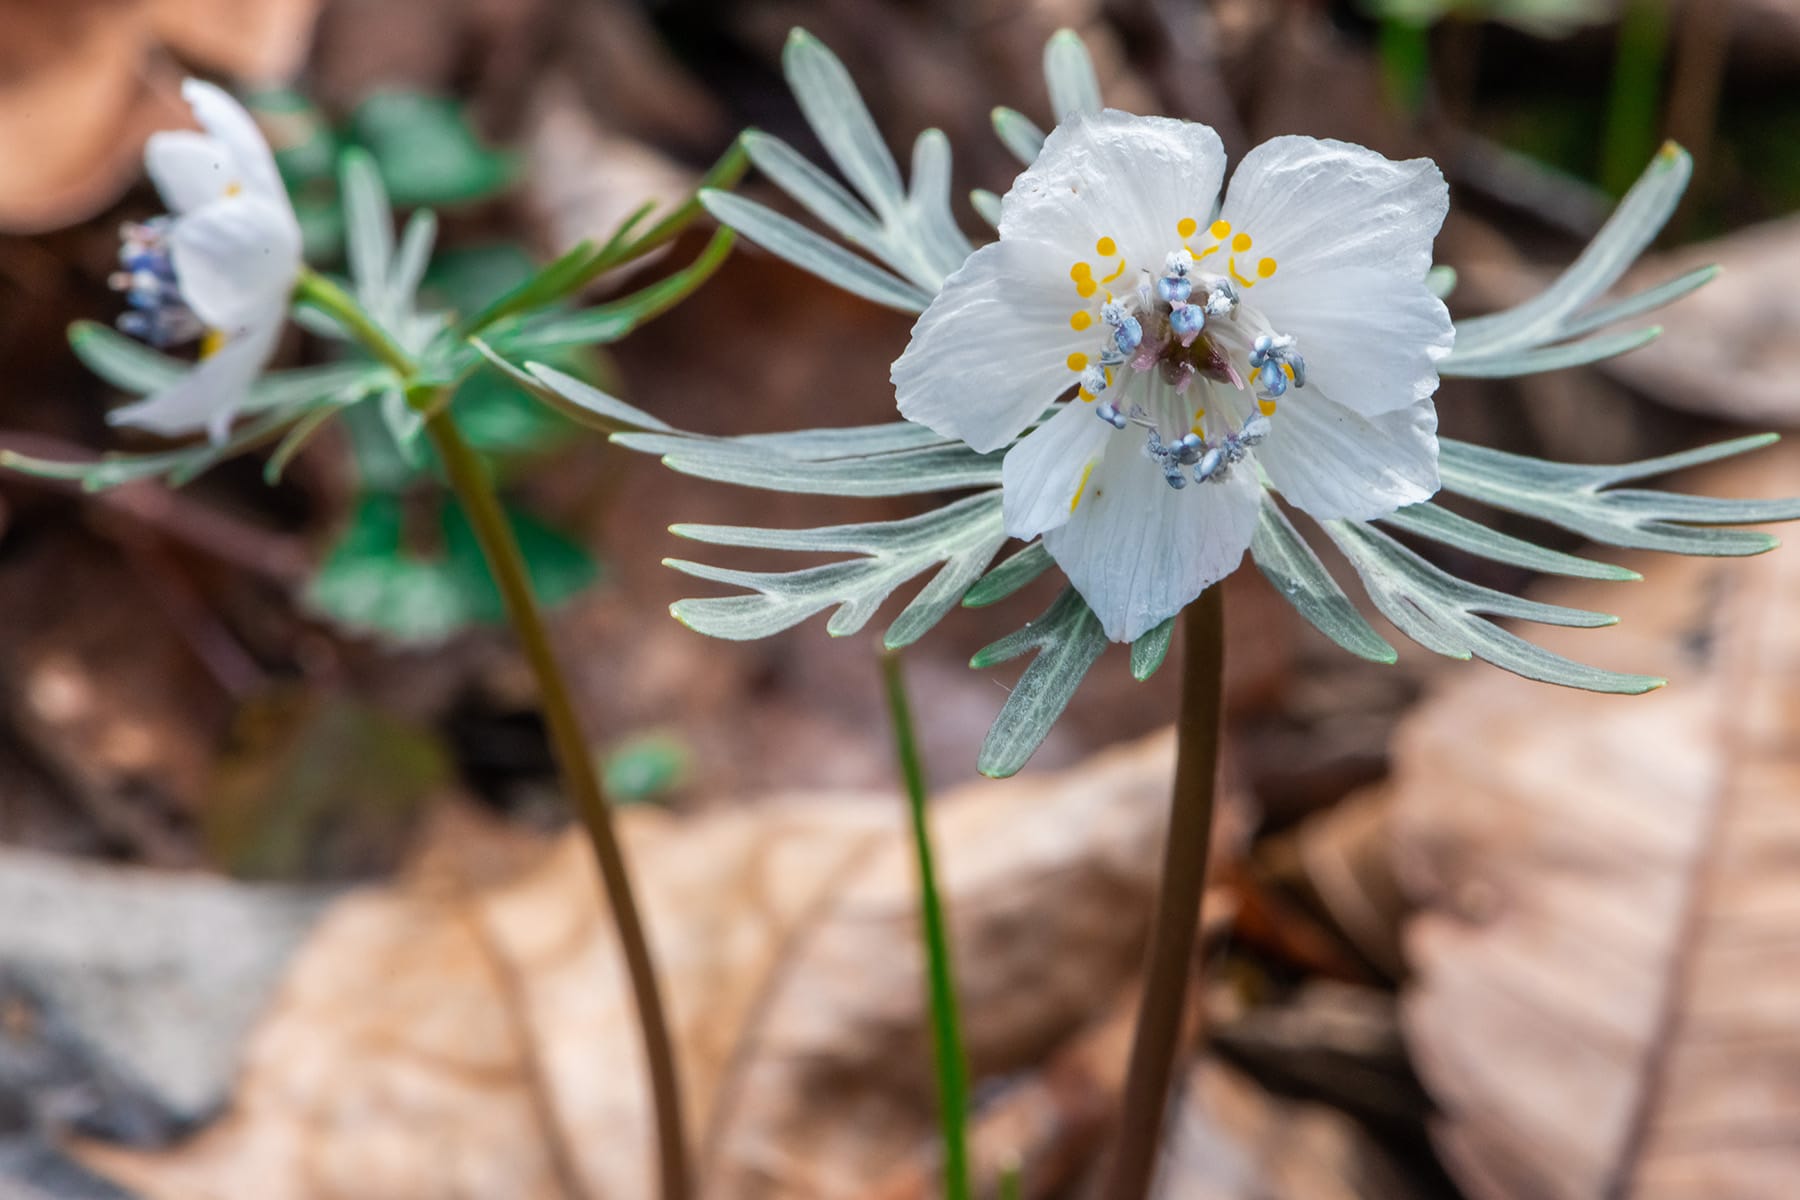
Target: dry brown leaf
{"x": 1607, "y": 1002}
{"x": 82, "y": 86}
{"x": 1732, "y": 349}
{"x": 452, "y": 1037}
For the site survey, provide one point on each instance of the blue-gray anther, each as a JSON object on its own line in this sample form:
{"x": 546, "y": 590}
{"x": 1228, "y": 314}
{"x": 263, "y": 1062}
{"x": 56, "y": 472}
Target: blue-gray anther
{"x": 1110, "y": 413}
{"x": 1186, "y": 321}
{"x": 1259, "y": 349}
{"x": 1093, "y": 381}
{"x": 1174, "y": 289}
{"x": 1209, "y": 465}
{"x": 158, "y": 314}
{"x": 1221, "y": 299}
{"x": 1271, "y": 380}
{"x": 1255, "y": 430}
{"x": 1190, "y": 448}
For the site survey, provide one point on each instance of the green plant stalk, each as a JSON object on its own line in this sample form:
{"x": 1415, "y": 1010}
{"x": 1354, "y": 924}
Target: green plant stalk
{"x": 474, "y": 488}
{"x": 946, "y": 1026}
{"x": 1176, "y": 923}
{"x": 1631, "y": 103}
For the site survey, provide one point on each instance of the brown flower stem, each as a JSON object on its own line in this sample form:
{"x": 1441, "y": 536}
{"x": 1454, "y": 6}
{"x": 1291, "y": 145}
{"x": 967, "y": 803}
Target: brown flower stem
{"x": 469, "y": 479}
{"x": 1176, "y": 923}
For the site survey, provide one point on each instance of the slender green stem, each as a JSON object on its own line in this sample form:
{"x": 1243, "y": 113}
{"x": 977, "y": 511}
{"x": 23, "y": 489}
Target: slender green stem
{"x": 946, "y": 1026}
{"x": 1176, "y": 923}
{"x": 474, "y": 487}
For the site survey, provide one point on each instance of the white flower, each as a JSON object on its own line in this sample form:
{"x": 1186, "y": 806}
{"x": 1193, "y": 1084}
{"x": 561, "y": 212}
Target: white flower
{"x": 1286, "y": 334}
{"x": 220, "y": 266}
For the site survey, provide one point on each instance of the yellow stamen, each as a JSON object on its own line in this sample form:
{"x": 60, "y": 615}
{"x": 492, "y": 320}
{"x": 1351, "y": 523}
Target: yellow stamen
{"x": 1265, "y": 267}
{"x": 1081, "y": 488}
{"x": 1077, "y": 361}
{"x": 1241, "y": 242}
{"x": 213, "y": 342}
{"x": 1288, "y": 369}
{"x": 234, "y": 188}
{"x": 1080, "y": 320}
{"x": 1267, "y": 406}
{"x": 1086, "y": 288}
{"x": 1220, "y": 230}
{"x": 1231, "y": 269}
{"x": 1187, "y": 227}
{"x": 1116, "y": 273}
{"x": 1080, "y": 271}
{"x": 1106, "y": 247}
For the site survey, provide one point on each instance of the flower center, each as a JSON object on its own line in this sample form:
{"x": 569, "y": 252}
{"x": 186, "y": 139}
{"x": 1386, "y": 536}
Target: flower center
{"x": 1183, "y": 325}
{"x": 157, "y": 314}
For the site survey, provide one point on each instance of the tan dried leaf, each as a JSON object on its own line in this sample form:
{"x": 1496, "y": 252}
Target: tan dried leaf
{"x": 1608, "y": 994}
{"x": 458, "y": 1036}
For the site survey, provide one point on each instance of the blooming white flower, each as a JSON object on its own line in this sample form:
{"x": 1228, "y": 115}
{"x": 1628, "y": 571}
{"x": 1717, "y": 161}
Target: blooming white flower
{"x": 1285, "y": 335}
{"x": 220, "y": 266}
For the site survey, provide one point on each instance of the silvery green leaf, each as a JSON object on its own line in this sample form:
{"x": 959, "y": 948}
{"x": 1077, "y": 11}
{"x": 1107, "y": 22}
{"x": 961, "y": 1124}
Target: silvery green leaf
{"x": 1439, "y": 524}
{"x": 787, "y": 238}
{"x": 1067, "y": 639}
{"x": 1017, "y": 571}
{"x": 579, "y": 401}
{"x": 1642, "y": 302}
{"x": 177, "y": 466}
{"x": 1069, "y": 74}
{"x": 1579, "y": 498}
{"x": 962, "y": 537}
{"x": 368, "y": 226}
{"x": 836, "y": 112}
{"x": 813, "y": 189}
{"x": 847, "y": 441}
{"x": 912, "y": 233}
{"x": 1450, "y": 615}
{"x": 1292, "y": 568}
{"x": 131, "y": 366}
{"x": 927, "y": 469}
{"x": 1549, "y": 358}
{"x": 1149, "y": 651}
{"x": 986, "y": 206}
{"x": 1554, "y": 314}
{"x": 413, "y": 258}
{"x": 1018, "y": 133}
{"x": 1441, "y": 281}
{"x": 929, "y": 205}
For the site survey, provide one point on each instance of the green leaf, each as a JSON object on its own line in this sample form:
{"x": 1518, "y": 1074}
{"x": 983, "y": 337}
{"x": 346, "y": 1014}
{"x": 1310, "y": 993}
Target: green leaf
{"x": 1069, "y": 74}
{"x": 1149, "y": 651}
{"x": 644, "y": 768}
{"x": 960, "y": 539}
{"x": 1067, "y": 639}
{"x": 1449, "y": 615}
{"x": 1016, "y": 572}
{"x": 788, "y": 239}
{"x": 375, "y": 580}
{"x": 1577, "y": 498}
{"x": 427, "y": 152}
{"x": 1441, "y": 525}
{"x": 906, "y": 472}
{"x": 836, "y": 112}
{"x": 368, "y": 227}
{"x": 1292, "y": 568}
{"x": 1018, "y": 133}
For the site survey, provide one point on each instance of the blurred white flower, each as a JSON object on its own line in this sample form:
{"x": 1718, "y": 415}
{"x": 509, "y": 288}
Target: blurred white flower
{"x": 1286, "y": 335}
{"x": 220, "y": 267}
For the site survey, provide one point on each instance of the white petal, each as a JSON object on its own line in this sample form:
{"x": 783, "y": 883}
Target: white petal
{"x": 189, "y": 169}
{"x": 1043, "y": 474}
{"x": 208, "y": 396}
{"x": 991, "y": 352}
{"x": 1312, "y": 205}
{"x": 235, "y": 258}
{"x": 231, "y": 123}
{"x": 1112, "y": 174}
{"x": 1139, "y": 552}
{"x": 1333, "y": 463}
{"x": 1372, "y": 339}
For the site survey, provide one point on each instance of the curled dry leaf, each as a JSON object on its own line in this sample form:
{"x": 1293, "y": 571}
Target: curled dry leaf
{"x": 82, "y": 86}
{"x": 1607, "y": 1001}
{"x": 455, "y": 1036}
